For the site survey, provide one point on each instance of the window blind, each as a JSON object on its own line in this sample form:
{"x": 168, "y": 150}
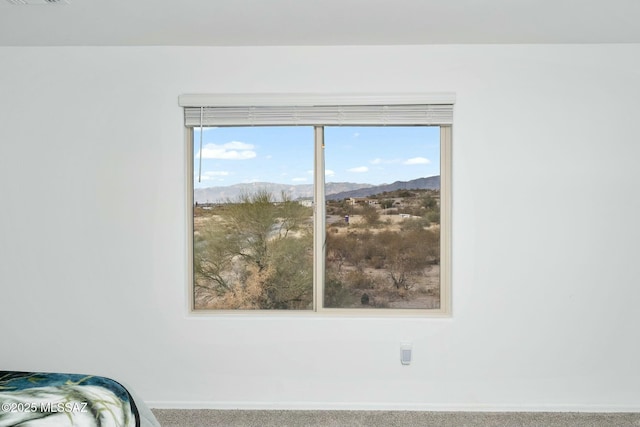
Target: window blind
{"x": 373, "y": 113}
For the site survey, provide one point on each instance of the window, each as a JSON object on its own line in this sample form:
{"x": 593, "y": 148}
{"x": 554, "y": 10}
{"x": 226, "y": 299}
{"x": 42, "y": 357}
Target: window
{"x": 300, "y": 205}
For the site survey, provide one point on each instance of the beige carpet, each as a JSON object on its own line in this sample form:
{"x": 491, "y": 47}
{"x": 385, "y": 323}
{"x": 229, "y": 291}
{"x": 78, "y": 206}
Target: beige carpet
{"x": 279, "y": 418}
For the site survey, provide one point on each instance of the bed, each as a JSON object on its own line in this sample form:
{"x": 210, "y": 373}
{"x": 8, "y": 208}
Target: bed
{"x": 40, "y": 399}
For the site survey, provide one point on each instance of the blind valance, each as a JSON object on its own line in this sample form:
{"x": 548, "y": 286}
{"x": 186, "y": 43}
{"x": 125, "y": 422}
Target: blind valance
{"x": 309, "y": 110}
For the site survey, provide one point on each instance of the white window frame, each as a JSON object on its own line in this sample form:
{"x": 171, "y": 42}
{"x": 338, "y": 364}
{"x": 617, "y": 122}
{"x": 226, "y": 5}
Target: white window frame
{"x": 285, "y": 100}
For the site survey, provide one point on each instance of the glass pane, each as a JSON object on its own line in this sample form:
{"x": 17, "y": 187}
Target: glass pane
{"x": 383, "y": 217}
{"x": 253, "y": 219}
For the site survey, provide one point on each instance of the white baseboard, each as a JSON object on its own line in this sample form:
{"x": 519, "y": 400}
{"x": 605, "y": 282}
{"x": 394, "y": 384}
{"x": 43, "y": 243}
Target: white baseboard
{"x": 366, "y": 406}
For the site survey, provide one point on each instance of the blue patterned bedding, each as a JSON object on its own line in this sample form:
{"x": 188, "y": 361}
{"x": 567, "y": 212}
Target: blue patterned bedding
{"x": 29, "y": 399}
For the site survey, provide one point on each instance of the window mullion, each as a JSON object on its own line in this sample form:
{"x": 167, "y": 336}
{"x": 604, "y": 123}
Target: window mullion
{"x": 319, "y": 234}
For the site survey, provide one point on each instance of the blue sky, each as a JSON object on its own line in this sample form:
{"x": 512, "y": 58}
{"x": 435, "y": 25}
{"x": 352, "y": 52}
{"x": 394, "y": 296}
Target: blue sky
{"x": 373, "y": 155}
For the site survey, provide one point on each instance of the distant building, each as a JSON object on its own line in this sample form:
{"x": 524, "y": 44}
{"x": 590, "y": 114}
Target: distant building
{"x": 355, "y": 200}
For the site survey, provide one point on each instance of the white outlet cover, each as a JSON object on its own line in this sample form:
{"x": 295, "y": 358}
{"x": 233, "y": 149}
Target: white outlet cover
{"x": 406, "y": 353}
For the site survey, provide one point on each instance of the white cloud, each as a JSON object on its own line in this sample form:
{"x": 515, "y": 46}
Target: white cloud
{"x": 417, "y": 161}
{"x": 237, "y": 145}
{"x": 234, "y": 150}
{"x": 359, "y": 169}
{"x": 327, "y": 172}
{"x": 379, "y": 161}
{"x": 301, "y": 179}
{"x": 211, "y": 175}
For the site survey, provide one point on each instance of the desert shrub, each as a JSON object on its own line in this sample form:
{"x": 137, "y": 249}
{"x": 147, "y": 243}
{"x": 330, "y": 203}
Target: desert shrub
{"x": 387, "y": 203}
{"x": 379, "y": 302}
{"x": 290, "y": 286}
{"x": 341, "y": 248}
{"x": 370, "y": 214}
{"x": 377, "y": 262}
{"x": 336, "y": 295}
{"x": 359, "y": 280}
{"x": 414, "y": 224}
{"x": 257, "y": 255}
{"x": 433, "y": 216}
{"x": 429, "y": 202}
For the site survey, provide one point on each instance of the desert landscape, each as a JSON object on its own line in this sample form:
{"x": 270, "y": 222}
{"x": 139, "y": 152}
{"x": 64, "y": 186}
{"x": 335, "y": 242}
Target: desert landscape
{"x": 256, "y": 252}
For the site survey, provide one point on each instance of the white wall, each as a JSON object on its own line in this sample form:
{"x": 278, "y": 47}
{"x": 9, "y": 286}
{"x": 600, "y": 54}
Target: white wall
{"x": 545, "y": 244}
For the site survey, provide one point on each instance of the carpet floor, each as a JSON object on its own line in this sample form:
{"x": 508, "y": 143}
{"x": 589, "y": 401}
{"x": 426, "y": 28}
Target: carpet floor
{"x": 281, "y": 418}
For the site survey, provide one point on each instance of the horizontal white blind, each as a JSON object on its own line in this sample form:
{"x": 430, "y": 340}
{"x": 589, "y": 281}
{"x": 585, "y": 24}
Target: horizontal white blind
{"x": 360, "y": 115}
{"x": 356, "y": 109}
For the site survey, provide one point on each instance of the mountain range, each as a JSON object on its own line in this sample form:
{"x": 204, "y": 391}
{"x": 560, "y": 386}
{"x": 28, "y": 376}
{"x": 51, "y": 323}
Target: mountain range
{"x": 333, "y": 190}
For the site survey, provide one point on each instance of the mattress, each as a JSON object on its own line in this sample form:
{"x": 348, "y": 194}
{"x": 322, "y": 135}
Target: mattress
{"x": 40, "y": 399}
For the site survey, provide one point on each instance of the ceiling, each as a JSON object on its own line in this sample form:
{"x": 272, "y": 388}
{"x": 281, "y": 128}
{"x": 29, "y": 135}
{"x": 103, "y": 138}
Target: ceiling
{"x": 315, "y": 22}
